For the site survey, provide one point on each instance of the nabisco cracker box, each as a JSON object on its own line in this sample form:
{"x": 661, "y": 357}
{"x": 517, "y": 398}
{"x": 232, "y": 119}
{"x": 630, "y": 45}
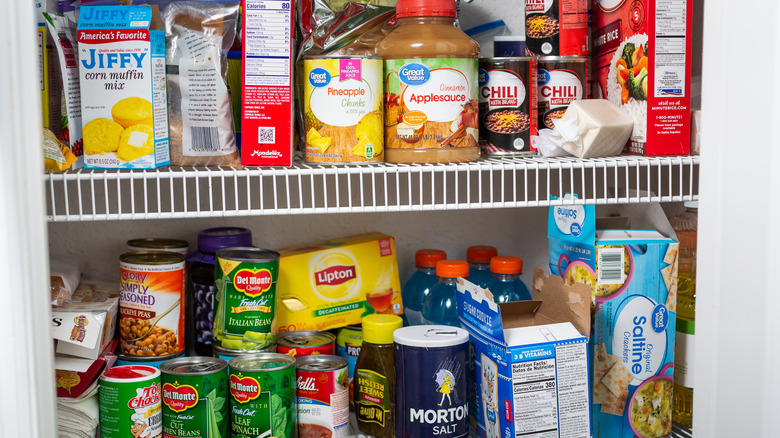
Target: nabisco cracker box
{"x": 122, "y": 78}
{"x": 336, "y": 283}
{"x": 267, "y": 106}
{"x": 642, "y": 64}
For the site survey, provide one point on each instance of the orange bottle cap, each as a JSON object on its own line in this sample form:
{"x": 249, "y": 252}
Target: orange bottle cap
{"x": 506, "y": 265}
{"x": 481, "y": 253}
{"x": 426, "y": 8}
{"x": 452, "y": 268}
{"x": 429, "y": 257}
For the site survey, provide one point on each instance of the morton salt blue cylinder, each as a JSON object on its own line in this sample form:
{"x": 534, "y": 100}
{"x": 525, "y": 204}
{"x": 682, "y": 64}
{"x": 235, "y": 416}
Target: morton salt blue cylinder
{"x": 431, "y": 381}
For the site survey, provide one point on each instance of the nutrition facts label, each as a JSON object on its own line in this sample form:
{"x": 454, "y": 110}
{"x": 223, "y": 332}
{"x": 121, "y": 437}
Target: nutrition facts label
{"x": 267, "y": 42}
{"x": 551, "y": 393}
{"x": 670, "y": 40}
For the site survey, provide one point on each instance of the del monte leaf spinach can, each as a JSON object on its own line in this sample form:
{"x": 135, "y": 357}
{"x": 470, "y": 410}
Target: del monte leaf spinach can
{"x": 194, "y": 394}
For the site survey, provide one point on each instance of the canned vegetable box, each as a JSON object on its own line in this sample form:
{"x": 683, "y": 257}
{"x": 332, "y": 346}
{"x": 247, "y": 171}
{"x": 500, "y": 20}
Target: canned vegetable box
{"x": 633, "y": 278}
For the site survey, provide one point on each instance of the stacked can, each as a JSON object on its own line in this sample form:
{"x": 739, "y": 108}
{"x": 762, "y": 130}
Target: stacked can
{"x": 194, "y": 395}
{"x": 305, "y": 343}
{"x": 322, "y": 396}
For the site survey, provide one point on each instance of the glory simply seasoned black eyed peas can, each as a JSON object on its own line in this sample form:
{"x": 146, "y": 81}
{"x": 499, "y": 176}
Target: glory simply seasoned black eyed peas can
{"x": 262, "y": 396}
{"x": 245, "y": 302}
{"x": 130, "y": 402}
{"x": 194, "y": 395}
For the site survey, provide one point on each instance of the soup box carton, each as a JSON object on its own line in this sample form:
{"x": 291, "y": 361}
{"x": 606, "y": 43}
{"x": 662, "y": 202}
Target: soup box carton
{"x": 632, "y": 274}
{"x": 124, "y": 104}
{"x": 336, "y": 283}
{"x": 530, "y": 360}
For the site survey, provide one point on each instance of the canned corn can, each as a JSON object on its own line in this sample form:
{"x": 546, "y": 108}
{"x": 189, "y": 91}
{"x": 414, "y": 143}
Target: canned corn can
{"x": 151, "y": 303}
{"x": 322, "y": 396}
{"x": 262, "y": 395}
{"x": 129, "y": 402}
{"x": 245, "y": 302}
{"x": 157, "y": 244}
{"x": 194, "y": 395}
{"x": 301, "y": 343}
{"x": 562, "y": 80}
{"x": 228, "y": 354}
{"x": 435, "y": 358}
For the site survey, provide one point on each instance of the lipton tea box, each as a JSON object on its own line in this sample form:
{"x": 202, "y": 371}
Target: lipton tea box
{"x": 122, "y": 78}
{"x": 336, "y": 283}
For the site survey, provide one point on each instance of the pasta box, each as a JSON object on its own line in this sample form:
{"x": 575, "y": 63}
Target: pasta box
{"x": 642, "y": 63}
{"x": 86, "y": 325}
{"x": 632, "y": 275}
{"x": 530, "y": 360}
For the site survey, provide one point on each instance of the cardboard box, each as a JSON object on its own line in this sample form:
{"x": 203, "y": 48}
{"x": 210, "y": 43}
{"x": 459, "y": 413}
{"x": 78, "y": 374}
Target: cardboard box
{"x": 632, "y": 274}
{"x": 75, "y": 376}
{"x": 85, "y": 326}
{"x": 530, "y": 360}
{"x": 267, "y": 106}
{"x": 336, "y": 283}
{"x": 660, "y": 106}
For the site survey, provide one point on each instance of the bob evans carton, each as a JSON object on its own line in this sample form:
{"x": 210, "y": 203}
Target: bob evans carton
{"x": 336, "y": 283}
{"x": 530, "y": 362}
{"x": 122, "y": 77}
{"x": 633, "y": 278}
{"x": 642, "y": 64}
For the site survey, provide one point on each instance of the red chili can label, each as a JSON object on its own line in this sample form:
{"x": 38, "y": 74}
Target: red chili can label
{"x": 556, "y": 27}
{"x": 561, "y": 81}
{"x": 322, "y": 396}
{"x": 305, "y": 343}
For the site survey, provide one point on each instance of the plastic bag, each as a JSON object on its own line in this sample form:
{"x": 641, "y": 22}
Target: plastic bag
{"x": 57, "y": 156}
{"x": 198, "y": 35}
{"x": 484, "y": 35}
{"x": 65, "y": 278}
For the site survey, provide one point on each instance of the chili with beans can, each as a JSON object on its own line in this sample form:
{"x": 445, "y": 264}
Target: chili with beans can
{"x": 129, "y": 402}
{"x": 507, "y": 105}
{"x": 556, "y": 27}
{"x": 322, "y": 396}
{"x": 262, "y": 395}
{"x": 151, "y": 303}
{"x": 194, "y": 396}
{"x": 562, "y": 79}
{"x": 305, "y": 343}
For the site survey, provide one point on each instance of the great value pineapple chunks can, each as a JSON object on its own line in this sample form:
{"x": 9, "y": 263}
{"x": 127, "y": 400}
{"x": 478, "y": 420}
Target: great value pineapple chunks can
{"x": 342, "y": 106}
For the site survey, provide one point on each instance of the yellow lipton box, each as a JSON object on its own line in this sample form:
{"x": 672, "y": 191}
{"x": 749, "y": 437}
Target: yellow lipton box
{"x": 336, "y": 283}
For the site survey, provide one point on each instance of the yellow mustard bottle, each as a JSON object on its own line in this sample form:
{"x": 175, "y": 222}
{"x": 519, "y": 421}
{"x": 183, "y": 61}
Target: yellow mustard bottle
{"x": 431, "y": 83}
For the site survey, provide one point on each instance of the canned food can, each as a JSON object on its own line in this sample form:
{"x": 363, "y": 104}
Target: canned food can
{"x": 342, "y": 106}
{"x": 245, "y": 302}
{"x": 322, "y": 397}
{"x": 436, "y": 359}
{"x": 262, "y": 395}
{"x": 129, "y": 402}
{"x": 228, "y": 353}
{"x": 561, "y": 81}
{"x": 151, "y": 303}
{"x": 507, "y": 105}
{"x": 305, "y": 343}
{"x": 194, "y": 395}
{"x": 156, "y": 244}
{"x": 152, "y": 361}
{"x": 348, "y": 343}
{"x": 556, "y": 27}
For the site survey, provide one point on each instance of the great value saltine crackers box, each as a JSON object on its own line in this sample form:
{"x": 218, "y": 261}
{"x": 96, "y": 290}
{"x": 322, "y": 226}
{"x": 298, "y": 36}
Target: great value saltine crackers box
{"x": 631, "y": 268}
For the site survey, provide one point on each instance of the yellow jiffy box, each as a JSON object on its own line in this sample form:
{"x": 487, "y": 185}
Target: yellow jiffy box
{"x": 336, "y": 283}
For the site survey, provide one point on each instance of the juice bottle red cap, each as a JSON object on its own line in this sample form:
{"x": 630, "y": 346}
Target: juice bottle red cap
{"x": 506, "y": 265}
{"x": 425, "y": 8}
{"x": 428, "y": 257}
{"x": 452, "y": 268}
{"x": 481, "y": 253}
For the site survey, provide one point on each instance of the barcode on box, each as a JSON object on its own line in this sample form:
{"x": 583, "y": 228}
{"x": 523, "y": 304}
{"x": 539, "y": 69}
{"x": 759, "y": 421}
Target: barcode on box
{"x": 610, "y": 266}
{"x": 205, "y": 139}
{"x": 266, "y": 135}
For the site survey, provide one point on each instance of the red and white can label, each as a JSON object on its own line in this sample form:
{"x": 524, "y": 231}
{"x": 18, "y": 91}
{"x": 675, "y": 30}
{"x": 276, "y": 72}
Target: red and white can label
{"x": 323, "y": 403}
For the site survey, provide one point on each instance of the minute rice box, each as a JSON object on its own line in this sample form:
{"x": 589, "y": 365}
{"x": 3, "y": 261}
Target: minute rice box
{"x": 633, "y": 273}
{"x": 123, "y": 97}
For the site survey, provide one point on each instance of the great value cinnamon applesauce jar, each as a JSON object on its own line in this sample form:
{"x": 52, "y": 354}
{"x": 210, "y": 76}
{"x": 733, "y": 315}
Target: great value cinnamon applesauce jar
{"x": 431, "y": 84}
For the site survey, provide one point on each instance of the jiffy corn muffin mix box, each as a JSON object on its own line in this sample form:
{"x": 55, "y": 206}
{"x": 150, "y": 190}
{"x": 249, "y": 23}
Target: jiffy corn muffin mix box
{"x": 123, "y": 97}
{"x": 632, "y": 270}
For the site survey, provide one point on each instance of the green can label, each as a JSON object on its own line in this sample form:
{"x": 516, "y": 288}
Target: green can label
{"x": 372, "y": 401}
{"x": 195, "y": 406}
{"x": 262, "y": 402}
{"x": 130, "y": 402}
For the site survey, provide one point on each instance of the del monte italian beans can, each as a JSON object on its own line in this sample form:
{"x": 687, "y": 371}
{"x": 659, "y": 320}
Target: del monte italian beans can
{"x": 130, "y": 402}
{"x": 194, "y": 394}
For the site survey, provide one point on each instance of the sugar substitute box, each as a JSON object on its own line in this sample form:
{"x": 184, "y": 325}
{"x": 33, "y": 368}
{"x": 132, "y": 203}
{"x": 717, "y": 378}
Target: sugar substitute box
{"x": 531, "y": 371}
{"x": 123, "y": 98}
{"x": 633, "y": 277}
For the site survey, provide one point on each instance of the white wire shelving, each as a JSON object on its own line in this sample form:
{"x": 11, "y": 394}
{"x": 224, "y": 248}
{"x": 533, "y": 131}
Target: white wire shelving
{"x": 191, "y": 192}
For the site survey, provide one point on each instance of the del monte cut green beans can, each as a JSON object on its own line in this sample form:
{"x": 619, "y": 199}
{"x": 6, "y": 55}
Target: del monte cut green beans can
{"x": 245, "y": 301}
{"x": 194, "y": 395}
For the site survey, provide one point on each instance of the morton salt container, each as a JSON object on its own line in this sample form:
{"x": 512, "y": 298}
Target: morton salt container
{"x": 435, "y": 358}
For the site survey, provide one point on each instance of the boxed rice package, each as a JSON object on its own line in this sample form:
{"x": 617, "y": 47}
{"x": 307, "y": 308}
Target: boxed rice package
{"x": 642, "y": 64}
{"x": 336, "y": 283}
{"x": 122, "y": 78}
{"x": 631, "y": 265}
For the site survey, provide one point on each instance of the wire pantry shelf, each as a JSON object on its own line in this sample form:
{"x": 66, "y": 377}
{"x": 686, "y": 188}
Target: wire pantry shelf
{"x": 191, "y": 192}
